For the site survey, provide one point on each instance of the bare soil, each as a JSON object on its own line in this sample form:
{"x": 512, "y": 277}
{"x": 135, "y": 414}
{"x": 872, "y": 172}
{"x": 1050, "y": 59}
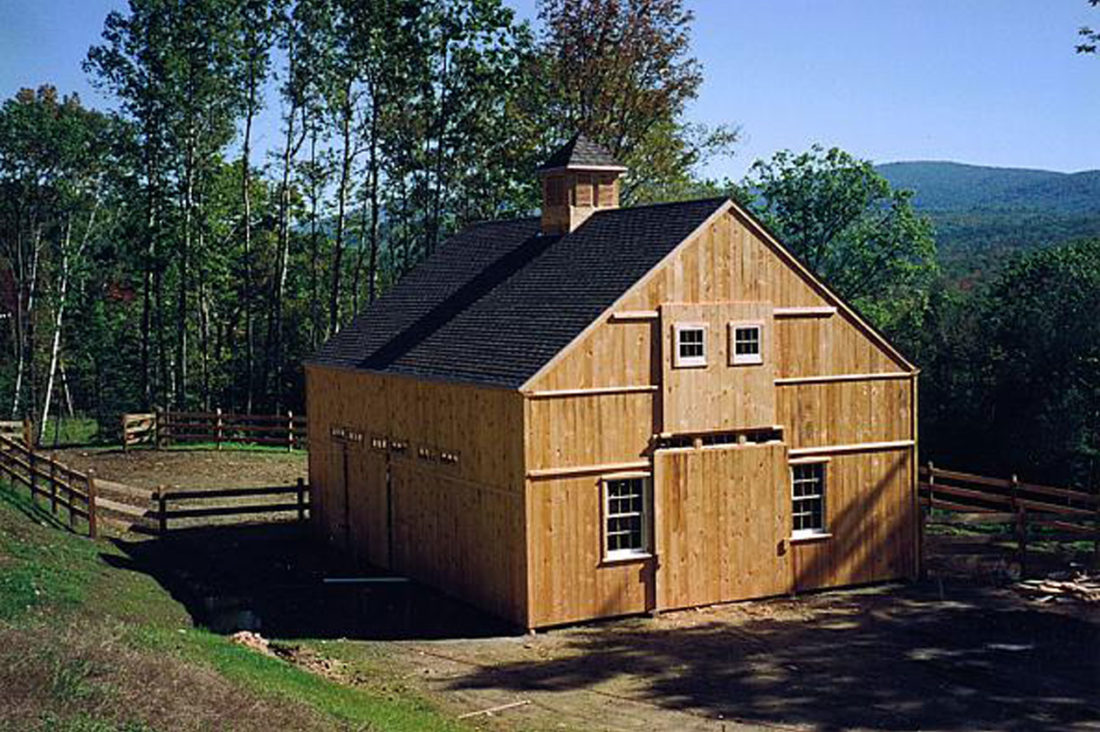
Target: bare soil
{"x": 192, "y": 469}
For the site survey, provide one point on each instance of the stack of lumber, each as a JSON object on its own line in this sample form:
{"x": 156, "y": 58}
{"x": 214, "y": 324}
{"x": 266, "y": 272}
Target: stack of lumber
{"x": 1081, "y": 587}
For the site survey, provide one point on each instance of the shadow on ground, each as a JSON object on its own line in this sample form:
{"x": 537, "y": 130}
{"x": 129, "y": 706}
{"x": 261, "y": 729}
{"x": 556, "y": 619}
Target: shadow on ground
{"x": 907, "y": 660}
{"x": 271, "y": 578}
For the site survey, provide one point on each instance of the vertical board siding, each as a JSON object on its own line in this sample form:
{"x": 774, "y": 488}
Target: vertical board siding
{"x": 569, "y": 579}
{"x": 869, "y": 516}
{"x": 457, "y": 526}
{"x": 589, "y": 430}
{"x": 845, "y": 413}
{"x": 717, "y": 396}
{"x": 723, "y": 516}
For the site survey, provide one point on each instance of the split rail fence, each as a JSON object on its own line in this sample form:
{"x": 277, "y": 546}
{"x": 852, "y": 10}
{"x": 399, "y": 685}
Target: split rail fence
{"x": 166, "y": 428}
{"x": 1034, "y": 512}
{"x": 196, "y": 504}
{"x": 55, "y": 483}
{"x": 18, "y": 430}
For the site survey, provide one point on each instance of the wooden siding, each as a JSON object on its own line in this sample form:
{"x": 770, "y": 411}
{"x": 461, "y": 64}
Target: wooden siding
{"x": 457, "y": 526}
{"x": 844, "y": 413}
{"x": 722, "y": 520}
{"x": 569, "y": 581}
{"x": 717, "y": 396}
{"x": 589, "y": 430}
{"x": 870, "y": 520}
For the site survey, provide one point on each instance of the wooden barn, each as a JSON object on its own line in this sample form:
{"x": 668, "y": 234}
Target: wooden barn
{"x": 604, "y": 411}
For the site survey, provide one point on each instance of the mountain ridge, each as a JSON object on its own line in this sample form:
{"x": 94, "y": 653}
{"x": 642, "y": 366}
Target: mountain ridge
{"x": 985, "y": 213}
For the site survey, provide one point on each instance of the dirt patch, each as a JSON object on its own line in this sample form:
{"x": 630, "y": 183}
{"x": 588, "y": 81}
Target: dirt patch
{"x": 886, "y": 658}
{"x": 192, "y": 469}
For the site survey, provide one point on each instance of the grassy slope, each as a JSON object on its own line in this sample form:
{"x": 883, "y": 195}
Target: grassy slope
{"x": 87, "y": 643}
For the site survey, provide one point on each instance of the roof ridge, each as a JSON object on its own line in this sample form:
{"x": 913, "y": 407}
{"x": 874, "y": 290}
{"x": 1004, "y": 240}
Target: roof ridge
{"x": 709, "y": 199}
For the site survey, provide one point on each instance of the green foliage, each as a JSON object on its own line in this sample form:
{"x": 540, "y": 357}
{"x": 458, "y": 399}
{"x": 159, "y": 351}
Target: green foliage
{"x": 623, "y": 73}
{"x": 850, "y": 227}
{"x": 1012, "y": 375}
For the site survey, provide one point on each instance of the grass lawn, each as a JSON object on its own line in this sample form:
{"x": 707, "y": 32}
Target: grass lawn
{"x": 88, "y": 644}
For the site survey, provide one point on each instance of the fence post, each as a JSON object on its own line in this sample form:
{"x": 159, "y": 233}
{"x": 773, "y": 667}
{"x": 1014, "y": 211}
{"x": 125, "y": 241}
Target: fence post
{"x": 1096, "y": 539}
{"x": 218, "y": 428}
{"x": 301, "y": 500}
{"x": 156, "y": 428}
{"x": 93, "y": 530}
{"x": 32, "y": 460}
{"x": 162, "y": 514}
{"x": 289, "y": 431}
{"x": 28, "y": 433}
{"x": 53, "y": 483}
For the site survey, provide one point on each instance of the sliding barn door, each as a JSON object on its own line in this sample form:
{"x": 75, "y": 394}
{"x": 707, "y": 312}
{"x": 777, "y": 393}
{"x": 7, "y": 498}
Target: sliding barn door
{"x": 721, "y": 520}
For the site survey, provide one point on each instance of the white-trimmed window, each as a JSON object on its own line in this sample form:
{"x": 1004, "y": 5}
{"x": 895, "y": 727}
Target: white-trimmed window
{"x": 690, "y": 347}
{"x": 746, "y": 344}
{"x": 626, "y": 516}
{"x": 808, "y": 496}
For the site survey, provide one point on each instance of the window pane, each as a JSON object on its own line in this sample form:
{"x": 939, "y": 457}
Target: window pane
{"x": 624, "y": 527}
{"x": 808, "y": 496}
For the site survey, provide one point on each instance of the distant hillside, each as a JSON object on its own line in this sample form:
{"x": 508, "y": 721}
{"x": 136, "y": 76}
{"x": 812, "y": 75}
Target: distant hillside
{"x": 982, "y": 214}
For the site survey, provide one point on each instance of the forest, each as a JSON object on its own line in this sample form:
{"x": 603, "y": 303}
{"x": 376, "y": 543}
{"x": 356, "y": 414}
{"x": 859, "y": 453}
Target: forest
{"x": 153, "y": 255}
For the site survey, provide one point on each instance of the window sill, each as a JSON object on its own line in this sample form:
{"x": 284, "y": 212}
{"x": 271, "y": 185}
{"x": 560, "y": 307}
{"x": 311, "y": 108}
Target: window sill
{"x": 690, "y": 365}
{"x": 625, "y": 558}
{"x": 803, "y": 538}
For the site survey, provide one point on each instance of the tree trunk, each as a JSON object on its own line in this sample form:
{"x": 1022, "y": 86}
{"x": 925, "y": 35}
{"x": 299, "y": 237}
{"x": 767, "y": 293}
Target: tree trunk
{"x": 246, "y": 204}
{"x": 341, "y": 215}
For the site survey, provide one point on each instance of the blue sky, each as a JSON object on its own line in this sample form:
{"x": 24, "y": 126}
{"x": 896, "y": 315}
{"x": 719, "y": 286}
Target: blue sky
{"x": 991, "y": 82}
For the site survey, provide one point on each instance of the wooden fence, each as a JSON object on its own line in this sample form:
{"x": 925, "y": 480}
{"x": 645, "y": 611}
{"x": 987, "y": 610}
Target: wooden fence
{"x": 218, "y": 427}
{"x": 1060, "y": 514}
{"x": 195, "y": 504}
{"x": 18, "y": 430}
{"x": 57, "y": 484}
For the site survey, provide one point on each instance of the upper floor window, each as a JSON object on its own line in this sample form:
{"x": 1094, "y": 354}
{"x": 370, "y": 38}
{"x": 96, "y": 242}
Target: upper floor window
{"x": 746, "y": 343}
{"x": 808, "y": 496}
{"x": 691, "y": 345}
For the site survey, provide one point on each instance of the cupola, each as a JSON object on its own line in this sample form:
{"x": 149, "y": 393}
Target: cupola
{"x": 578, "y": 180}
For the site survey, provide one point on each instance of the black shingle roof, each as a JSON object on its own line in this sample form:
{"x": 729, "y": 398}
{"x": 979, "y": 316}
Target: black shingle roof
{"x": 580, "y": 152}
{"x": 499, "y": 300}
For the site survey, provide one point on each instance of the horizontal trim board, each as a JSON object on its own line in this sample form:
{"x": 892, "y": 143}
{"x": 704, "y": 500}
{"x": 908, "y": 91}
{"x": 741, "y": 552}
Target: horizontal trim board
{"x": 857, "y": 447}
{"x": 831, "y": 378}
{"x": 587, "y": 469}
{"x": 822, "y": 311}
{"x": 630, "y": 315}
{"x": 593, "y": 391}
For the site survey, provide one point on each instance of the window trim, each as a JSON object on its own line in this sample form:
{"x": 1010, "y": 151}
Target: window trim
{"x": 752, "y": 359}
{"x": 814, "y": 533}
{"x": 688, "y": 362}
{"x": 627, "y": 555}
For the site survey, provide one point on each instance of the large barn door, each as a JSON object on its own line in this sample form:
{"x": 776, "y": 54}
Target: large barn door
{"x": 721, "y": 520}
{"x": 369, "y": 506}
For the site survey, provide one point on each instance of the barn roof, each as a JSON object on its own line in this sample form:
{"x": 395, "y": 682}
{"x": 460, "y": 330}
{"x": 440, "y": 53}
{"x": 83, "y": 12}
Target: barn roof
{"x": 497, "y": 301}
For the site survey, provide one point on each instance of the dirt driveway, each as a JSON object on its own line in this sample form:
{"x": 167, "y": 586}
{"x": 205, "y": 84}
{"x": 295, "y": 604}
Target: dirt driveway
{"x": 888, "y": 658}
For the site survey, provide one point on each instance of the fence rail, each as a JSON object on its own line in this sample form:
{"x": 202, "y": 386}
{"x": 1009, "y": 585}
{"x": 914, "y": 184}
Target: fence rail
{"x": 56, "y": 483}
{"x": 1064, "y": 514}
{"x": 170, "y": 504}
{"x": 18, "y": 430}
{"x": 166, "y": 428}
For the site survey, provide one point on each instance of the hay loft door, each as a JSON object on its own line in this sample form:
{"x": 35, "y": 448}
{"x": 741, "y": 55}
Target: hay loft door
{"x": 722, "y": 518}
